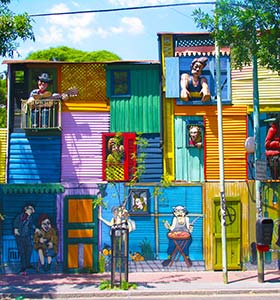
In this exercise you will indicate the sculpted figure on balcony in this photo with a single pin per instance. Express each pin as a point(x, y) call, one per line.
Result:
point(194, 87)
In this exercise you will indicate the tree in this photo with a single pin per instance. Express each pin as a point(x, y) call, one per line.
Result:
point(64, 53)
point(249, 27)
point(12, 28)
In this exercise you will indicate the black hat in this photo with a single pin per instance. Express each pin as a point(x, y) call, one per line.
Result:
point(44, 77)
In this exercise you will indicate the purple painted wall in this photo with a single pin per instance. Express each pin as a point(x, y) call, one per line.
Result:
point(82, 146)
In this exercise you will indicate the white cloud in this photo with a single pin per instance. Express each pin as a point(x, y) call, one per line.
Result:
point(74, 28)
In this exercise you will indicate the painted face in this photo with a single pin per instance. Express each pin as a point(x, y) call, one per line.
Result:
point(194, 133)
point(46, 225)
point(138, 203)
point(197, 68)
point(42, 86)
point(29, 210)
point(179, 211)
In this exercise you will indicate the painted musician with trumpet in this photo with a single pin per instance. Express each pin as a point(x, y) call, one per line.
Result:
point(41, 102)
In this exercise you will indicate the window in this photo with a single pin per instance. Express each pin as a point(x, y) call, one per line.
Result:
point(119, 163)
point(120, 83)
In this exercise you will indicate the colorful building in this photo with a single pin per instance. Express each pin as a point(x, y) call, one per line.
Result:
point(125, 139)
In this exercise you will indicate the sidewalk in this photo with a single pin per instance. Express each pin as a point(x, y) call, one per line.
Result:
point(73, 286)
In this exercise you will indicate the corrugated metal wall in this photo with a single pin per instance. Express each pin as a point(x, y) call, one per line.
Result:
point(153, 159)
point(3, 149)
point(34, 159)
point(269, 88)
point(82, 146)
point(234, 133)
point(12, 206)
point(141, 111)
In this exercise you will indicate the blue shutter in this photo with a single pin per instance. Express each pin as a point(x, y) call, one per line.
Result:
point(172, 77)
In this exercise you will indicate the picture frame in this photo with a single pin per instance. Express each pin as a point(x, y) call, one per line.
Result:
point(139, 201)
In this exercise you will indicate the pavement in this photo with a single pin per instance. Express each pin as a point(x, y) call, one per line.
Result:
point(72, 286)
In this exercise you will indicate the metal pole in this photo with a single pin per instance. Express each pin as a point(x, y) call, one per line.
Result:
point(221, 162)
point(260, 258)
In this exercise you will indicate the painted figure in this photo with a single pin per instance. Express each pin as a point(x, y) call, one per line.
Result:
point(114, 166)
point(46, 241)
point(23, 230)
point(195, 136)
point(120, 217)
point(194, 87)
point(139, 201)
point(180, 230)
point(35, 96)
point(272, 146)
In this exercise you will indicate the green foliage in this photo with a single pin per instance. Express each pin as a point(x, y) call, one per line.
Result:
point(64, 53)
point(106, 285)
point(147, 250)
point(3, 118)
point(249, 27)
point(3, 92)
point(12, 28)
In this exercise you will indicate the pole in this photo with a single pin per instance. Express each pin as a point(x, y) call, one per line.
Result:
point(221, 162)
point(260, 258)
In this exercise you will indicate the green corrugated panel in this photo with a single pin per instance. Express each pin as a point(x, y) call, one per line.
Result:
point(50, 188)
point(141, 111)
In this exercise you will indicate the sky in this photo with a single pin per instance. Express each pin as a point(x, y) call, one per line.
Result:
point(131, 34)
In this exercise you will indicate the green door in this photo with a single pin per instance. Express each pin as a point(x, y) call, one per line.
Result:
point(80, 235)
point(233, 234)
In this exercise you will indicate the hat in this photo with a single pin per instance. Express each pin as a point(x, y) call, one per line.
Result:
point(44, 77)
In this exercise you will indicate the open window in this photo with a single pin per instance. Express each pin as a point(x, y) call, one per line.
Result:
point(119, 156)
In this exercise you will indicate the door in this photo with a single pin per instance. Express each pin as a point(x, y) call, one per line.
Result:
point(80, 235)
point(233, 234)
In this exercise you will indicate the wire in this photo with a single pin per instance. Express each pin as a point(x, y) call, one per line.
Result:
point(121, 9)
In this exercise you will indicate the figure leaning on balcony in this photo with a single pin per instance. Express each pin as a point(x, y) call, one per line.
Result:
point(194, 87)
point(272, 146)
point(39, 111)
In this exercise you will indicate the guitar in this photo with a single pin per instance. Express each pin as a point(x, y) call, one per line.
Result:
point(71, 92)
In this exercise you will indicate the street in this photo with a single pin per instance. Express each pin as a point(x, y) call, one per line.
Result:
point(258, 296)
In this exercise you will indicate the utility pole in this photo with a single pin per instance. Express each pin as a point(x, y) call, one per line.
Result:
point(260, 258)
point(221, 156)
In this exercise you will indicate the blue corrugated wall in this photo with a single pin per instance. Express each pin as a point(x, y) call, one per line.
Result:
point(34, 159)
point(153, 158)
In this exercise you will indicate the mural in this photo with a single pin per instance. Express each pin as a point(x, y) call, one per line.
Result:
point(272, 146)
point(195, 87)
point(195, 136)
point(23, 230)
point(46, 242)
point(179, 236)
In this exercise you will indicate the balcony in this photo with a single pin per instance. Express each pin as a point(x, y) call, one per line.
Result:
point(41, 114)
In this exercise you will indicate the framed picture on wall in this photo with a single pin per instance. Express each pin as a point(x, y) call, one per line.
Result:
point(139, 201)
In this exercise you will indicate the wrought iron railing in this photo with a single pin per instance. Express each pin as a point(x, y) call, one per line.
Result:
point(41, 114)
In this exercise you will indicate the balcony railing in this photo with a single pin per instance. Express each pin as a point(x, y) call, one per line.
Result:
point(41, 114)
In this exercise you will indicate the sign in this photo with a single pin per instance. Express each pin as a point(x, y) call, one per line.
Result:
point(261, 168)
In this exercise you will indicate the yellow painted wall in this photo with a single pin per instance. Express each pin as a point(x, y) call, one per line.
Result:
point(232, 189)
point(269, 88)
point(3, 149)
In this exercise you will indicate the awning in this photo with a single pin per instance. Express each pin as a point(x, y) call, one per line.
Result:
point(36, 188)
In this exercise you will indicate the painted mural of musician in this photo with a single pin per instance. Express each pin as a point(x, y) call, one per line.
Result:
point(39, 104)
point(194, 87)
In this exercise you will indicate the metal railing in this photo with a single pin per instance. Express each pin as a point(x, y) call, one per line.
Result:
point(41, 114)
